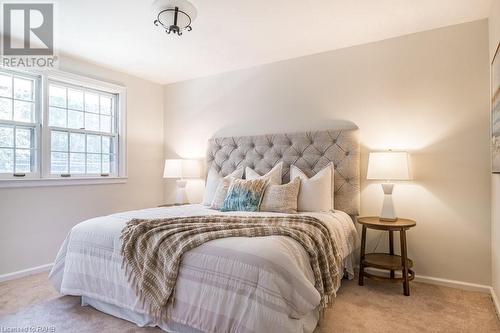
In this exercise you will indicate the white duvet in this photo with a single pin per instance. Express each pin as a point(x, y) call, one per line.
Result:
point(237, 284)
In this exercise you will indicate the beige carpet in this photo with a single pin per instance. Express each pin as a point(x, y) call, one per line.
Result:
point(376, 307)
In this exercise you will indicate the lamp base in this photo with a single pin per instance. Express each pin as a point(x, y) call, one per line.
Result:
point(388, 213)
point(388, 219)
point(180, 196)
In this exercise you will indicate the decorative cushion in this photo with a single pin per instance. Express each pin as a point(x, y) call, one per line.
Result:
point(244, 195)
point(281, 198)
point(221, 193)
point(213, 180)
point(316, 193)
point(274, 175)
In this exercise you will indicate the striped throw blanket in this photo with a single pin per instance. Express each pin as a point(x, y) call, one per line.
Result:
point(152, 250)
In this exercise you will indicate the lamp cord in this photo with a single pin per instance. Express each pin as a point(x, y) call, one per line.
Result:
point(378, 241)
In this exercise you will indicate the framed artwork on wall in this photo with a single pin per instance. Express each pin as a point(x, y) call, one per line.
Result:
point(495, 112)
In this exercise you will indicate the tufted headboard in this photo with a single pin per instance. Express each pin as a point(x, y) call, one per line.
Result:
point(310, 151)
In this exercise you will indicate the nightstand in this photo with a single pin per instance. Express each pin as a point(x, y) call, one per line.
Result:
point(387, 261)
point(169, 205)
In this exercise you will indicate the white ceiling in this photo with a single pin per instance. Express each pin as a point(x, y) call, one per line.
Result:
point(235, 34)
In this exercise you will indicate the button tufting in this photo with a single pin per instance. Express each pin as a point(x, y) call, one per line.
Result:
point(311, 151)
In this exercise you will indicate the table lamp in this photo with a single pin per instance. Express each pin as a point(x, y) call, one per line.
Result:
point(388, 166)
point(181, 169)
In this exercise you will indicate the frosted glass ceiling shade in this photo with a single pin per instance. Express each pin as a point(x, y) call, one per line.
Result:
point(389, 166)
point(182, 20)
point(178, 168)
point(174, 16)
point(184, 5)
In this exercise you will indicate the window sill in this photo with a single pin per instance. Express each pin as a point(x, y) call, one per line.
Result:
point(38, 182)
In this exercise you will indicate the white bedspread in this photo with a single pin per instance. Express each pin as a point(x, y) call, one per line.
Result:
point(238, 284)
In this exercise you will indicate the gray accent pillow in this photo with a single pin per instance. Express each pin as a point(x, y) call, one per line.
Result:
point(281, 198)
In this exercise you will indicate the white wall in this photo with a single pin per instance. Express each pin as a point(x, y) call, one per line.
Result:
point(34, 221)
point(426, 92)
point(494, 25)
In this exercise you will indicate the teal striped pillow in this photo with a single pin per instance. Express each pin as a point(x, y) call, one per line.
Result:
point(244, 195)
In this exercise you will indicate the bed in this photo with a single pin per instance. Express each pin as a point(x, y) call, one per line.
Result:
point(235, 284)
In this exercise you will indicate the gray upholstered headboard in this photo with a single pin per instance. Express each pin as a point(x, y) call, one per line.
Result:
point(310, 151)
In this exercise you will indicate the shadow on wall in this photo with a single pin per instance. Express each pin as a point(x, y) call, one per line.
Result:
point(440, 162)
point(242, 129)
point(189, 143)
point(186, 146)
point(432, 178)
point(442, 196)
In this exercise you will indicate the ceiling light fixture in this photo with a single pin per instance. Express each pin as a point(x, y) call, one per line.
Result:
point(174, 16)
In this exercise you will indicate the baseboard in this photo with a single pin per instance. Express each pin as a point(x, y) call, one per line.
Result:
point(442, 282)
point(25, 272)
point(453, 284)
point(495, 301)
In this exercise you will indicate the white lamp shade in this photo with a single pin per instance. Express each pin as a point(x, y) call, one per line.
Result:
point(191, 169)
point(173, 169)
point(177, 168)
point(388, 166)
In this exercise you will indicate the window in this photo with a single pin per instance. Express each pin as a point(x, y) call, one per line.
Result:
point(82, 130)
point(18, 124)
point(60, 126)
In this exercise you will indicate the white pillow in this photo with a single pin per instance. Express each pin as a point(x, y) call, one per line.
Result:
point(213, 180)
point(316, 193)
point(274, 175)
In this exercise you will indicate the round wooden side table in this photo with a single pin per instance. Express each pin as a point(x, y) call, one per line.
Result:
point(387, 261)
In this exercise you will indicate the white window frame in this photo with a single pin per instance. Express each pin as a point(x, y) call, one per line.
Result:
point(43, 177)
point(36, 127)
